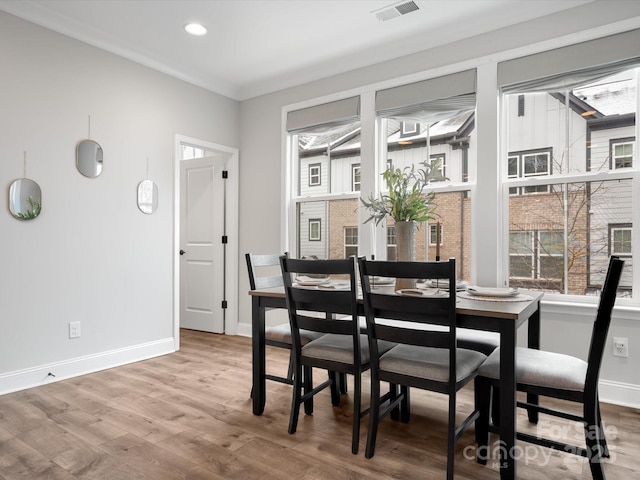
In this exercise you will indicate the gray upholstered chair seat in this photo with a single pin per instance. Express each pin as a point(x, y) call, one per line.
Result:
point(542, 369)
point(429, 362)
point(339, 348)
point(282, 333)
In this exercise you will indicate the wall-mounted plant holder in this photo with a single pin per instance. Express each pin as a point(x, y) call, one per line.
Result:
point(89, 156)
point(147, 195)
point(25, 197)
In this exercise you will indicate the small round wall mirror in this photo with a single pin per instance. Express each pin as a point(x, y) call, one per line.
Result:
point(25, 199)
point(89, 158)
point(147, 196)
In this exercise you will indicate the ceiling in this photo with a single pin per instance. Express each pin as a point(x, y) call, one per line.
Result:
point(255, 47)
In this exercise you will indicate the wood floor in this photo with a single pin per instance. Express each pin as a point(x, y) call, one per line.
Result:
point(188, 416)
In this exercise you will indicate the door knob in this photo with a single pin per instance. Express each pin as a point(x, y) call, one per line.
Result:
point(182, 252)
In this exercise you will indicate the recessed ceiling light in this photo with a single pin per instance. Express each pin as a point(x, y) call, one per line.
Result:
point(195, 29)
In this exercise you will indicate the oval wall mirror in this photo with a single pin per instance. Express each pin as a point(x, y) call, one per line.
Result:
point(25, 199)
point(89, 158)
point(147, 196)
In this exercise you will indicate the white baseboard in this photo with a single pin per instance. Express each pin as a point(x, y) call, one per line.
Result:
point(243, 329)
point(618, 393)
point(45, 374)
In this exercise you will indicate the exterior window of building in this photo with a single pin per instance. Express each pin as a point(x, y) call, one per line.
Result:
point(621, 240)
point(350, 241)
point(315, 225)
point(355, 177)
point(622, 153)
point(315, 178)
point(409, 129)
point(438, 161)
point(570, 174)
point(433, 234)
point(391, 244)
point(538, 256)
point(529, 164)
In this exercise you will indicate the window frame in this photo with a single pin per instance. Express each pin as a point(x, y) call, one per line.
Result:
point(318, 222)
point(617, 142)
point(313, 166)
point(520, 157)
point(620, 227)
point(346, 245)
point(356, 167)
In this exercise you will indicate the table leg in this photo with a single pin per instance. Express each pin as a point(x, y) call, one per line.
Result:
point(534, 342)
point(508, 397)
point(258, 356)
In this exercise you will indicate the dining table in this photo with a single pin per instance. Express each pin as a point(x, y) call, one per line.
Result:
point(488, 313)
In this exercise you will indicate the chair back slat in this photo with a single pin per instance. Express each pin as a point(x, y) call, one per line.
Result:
point(602, 322)
point(425, 338)
point(322, 325)
point(262, 262)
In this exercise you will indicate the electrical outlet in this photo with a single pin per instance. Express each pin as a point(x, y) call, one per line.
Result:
point(74, 329)
point(620, 347)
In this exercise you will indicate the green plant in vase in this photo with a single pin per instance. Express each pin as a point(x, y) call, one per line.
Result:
point(407, 203)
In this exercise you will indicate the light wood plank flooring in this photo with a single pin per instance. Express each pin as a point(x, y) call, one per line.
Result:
point(188, 416)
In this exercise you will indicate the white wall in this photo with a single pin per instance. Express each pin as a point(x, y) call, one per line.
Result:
point(91, 256)
point(262, 227)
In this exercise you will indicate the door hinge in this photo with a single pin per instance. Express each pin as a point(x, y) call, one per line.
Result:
point(225, 239)
point(225, 174)
point(224, 304)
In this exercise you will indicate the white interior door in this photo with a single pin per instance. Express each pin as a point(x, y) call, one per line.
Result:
point(202, 205)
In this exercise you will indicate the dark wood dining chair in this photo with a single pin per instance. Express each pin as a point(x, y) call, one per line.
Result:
point(264, 272)
point(556, 375)
point(332, 311)
point(423, 358)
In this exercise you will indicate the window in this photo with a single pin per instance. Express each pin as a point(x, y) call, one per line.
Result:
point(433, 234)
point(536, 256)
point(391, 244)
point(315, 229)
point(622, 153)
point(443, 111)
point(569, 172)
point(355, 177)
point(529, 164)
point(350, 241)
point(620, 240)
point(323, 143)
point(438, 161)
point(409, 129)
point(314, 174)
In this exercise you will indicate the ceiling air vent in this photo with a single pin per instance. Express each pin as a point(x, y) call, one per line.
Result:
point(393, 11)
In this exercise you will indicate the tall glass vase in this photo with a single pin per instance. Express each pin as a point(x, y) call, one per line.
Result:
point(405, 242)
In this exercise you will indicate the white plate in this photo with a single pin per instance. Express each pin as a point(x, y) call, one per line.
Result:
point(334, 286)
point(311, 282)
point(492, 292)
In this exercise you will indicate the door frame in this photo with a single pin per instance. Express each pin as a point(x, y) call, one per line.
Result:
point(231, 219)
